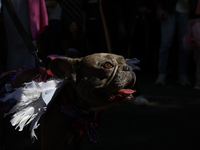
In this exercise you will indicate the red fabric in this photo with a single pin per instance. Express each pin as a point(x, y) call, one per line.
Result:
point(79, 126)
point(9, 77)
point(50, 73)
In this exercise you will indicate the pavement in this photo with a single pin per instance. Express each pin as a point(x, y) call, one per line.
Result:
point(169, 121)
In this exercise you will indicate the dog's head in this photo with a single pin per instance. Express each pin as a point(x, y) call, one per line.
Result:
point(99, 80)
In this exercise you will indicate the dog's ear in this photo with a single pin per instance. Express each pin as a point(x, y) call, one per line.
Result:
point(63, 66)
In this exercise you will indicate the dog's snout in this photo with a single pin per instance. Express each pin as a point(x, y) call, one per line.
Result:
point(126, 68)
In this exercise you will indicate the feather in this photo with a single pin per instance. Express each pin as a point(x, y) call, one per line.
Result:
point(32, 101)
point(34, 124)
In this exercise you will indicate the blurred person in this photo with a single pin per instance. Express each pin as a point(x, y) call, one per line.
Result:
point(33, 17)
point(197, 81)
point(174, 17)
point(3, 47)
point(50, 40)
point(93, 27)
point(191, 40)
point(120, 17)
point(146, 35)
point(75, 40)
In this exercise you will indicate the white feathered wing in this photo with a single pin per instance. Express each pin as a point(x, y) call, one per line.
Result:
point(32, 101)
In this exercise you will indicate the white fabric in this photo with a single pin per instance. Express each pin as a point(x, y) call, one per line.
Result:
point(32, 101)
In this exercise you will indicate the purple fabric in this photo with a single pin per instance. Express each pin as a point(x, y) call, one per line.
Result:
point(73, 112)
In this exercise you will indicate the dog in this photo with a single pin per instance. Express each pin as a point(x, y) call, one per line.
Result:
point(90, 84)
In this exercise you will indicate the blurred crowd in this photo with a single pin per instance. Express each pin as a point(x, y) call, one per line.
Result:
point(160, 33)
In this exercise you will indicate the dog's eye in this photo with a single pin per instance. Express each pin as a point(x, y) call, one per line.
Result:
point(108, 65)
